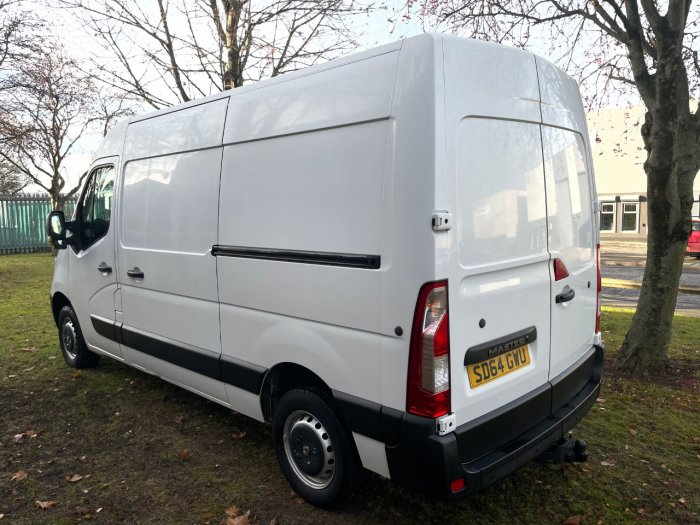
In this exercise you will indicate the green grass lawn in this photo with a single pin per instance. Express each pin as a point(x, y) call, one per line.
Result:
point(143, 451)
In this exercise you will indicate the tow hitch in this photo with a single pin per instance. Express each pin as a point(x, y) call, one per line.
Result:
point(566, 450)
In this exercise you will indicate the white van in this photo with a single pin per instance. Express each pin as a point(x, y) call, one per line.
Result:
point(392, 257)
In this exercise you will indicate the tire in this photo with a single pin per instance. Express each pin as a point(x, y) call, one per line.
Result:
point(75, 351)
point(312, 447)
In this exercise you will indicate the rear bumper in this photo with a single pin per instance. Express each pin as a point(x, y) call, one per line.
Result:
point(494, 445)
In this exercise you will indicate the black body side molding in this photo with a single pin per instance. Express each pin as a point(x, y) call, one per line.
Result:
point(346, 260)
point(235, 372)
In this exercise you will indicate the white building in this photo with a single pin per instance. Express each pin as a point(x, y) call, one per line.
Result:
point(618, 159)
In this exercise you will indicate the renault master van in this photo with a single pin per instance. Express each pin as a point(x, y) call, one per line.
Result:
point(392, 257)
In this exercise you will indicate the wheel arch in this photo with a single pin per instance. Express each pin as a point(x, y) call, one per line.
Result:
point(58, 301)
point(287, 376)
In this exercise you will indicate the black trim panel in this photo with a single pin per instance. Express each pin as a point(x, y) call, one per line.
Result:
point(484, 351)
point(369, 418)
point(346, 260)
point(104, 327)
point(235, 372)
point(360, 415)
point(574, 378)
point(242, 374)
point(176, 354)
point(492, 430)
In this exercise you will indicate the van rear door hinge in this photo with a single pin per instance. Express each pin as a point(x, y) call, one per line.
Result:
point(442, 221)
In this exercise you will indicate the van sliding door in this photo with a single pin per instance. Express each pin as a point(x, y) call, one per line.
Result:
point(169, 207)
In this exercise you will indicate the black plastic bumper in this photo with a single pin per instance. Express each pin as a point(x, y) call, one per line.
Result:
point(494, 445)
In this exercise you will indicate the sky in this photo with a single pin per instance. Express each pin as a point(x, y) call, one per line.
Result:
point(374, 29)
point(377, 28)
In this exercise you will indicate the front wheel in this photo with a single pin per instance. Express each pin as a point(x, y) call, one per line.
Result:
point(75, 351)
point(312, 447)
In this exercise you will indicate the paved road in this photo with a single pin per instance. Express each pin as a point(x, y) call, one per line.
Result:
point(627, 260)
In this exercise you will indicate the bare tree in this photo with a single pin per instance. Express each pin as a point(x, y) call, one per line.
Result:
point(169, 51)
point(631, 43)
point(47, 105)
point(11, 180)
point(17, 36)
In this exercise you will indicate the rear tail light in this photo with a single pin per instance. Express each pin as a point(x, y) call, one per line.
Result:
point(428, 392)
point(600, 287)
point(560, 271)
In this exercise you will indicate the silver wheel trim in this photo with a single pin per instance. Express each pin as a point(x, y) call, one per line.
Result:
point(325, 477)
point(69, 339)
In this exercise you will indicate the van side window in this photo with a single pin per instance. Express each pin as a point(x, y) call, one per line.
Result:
point(96, 206)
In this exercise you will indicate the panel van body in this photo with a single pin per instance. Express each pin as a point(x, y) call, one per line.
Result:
point(405, 236)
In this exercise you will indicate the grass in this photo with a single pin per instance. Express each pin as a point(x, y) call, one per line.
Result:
point(149, 452)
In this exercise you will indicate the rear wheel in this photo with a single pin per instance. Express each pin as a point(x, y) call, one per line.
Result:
point(312, 447)
point(75, 351)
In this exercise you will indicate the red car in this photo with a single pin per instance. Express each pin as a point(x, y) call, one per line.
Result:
point(694, 241)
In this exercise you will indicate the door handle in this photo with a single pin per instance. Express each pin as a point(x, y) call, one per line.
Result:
point(136, 273)
point(104, 268)
point(566, 295)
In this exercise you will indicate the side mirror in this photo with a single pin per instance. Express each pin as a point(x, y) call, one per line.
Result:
point(56, 229)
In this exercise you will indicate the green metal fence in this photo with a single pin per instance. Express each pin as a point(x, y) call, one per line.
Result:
point(22, 222)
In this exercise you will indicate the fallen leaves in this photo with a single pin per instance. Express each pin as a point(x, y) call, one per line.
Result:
point(233, 518)
point(74, 478)
point(608, 462)
point(572, 520)
point(20, 475)
point(45, 505)
point(183, 455)
point(243, 519)
point(179, 419)
point(19, 438)
point(238, 435)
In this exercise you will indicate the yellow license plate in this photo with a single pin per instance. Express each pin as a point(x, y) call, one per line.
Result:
point(486, 371)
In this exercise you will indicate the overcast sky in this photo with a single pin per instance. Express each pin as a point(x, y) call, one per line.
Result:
point(375, 29)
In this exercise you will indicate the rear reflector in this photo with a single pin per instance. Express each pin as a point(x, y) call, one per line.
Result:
point(457, 485)
point(428, 389)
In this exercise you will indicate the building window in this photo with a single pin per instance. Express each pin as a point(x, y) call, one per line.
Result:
point(630, 217)
point(607, 216)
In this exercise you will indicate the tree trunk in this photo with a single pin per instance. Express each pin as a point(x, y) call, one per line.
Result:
point(57, 202)
point(233, 52)
point(670, 168)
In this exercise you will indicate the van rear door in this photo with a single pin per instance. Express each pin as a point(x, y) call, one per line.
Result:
point(499, 286)
point(495, 256)
point(572, 235)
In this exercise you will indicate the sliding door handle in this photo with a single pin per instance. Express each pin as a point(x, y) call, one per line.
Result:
point(104, 268)
point(136, 273)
